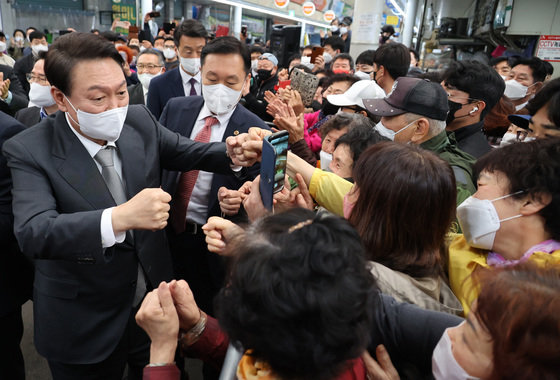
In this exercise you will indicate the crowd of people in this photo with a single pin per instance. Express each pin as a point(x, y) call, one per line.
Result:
point(416, 234)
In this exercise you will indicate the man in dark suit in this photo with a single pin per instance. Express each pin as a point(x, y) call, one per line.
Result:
point(23, 66)
point(12, 95)
point(39, 95)
point(88, 208)
point(226, 64)
point(16, 273)
point(150, 64)
point(190, 37)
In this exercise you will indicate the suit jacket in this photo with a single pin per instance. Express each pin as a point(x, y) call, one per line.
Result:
point(29, 116)
point(83, 293)
point(16, 273)
point(162, 88)
point(136, 94)
point(19, 95)
point(180, 115)
point(23, 66)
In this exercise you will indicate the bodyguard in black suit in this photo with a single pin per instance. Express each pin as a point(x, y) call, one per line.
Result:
point(16, 273)
point(94, 255)
point(190, 37)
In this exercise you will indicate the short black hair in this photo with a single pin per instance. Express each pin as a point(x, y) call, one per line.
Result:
point(548, 95)
point(361, 134)
point(18, 30)
point(94, 31)
point(294, 56)
point(337, 43)
point(366, 57)
point(495, 60)
point(159, 38)
point(227, 45)
point(256, 49)
point(300, 295)
point(69, 50)
point(2, 35)
point(533, 169)
point(535, 64)
point(344, 56)
point(477, 79)
point(109, 35)
point(548, 67)
point(156, 52)
point(394, 57)
point(168, 39)
point(36, 35)
point(190, 28)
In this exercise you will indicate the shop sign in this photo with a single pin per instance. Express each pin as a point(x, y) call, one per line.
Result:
point(549, 48)
point(329, 16)
point(281, 3)
point(308, 8)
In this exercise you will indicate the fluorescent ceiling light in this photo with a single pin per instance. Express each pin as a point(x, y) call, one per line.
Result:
point(271, 12)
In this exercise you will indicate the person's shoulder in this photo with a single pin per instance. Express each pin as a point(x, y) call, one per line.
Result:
point(185, 101)
point(167, 76)
point(36, 137)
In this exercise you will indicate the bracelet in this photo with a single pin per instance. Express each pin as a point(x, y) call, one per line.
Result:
point(190, 337)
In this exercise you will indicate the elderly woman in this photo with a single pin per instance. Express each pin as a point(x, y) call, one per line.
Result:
point(402, 203)
point(514, 215)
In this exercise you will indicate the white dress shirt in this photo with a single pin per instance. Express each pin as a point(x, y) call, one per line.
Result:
point(185, 78)
point(108, 237)
point(197, 208)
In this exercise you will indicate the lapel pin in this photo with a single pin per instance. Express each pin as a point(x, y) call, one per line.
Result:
point(236, 132)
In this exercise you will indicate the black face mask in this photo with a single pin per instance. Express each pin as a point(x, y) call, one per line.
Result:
point(316, 105)
point(453, 107)
point(385, 38)
point(328, 108)
point(264, 74)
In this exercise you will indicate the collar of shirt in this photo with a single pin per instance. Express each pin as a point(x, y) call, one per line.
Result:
point(92, 147)
point(42, 113)
point(186, 77)
point(222, 119)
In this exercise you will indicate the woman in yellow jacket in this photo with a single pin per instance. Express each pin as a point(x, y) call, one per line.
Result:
point(513, 217)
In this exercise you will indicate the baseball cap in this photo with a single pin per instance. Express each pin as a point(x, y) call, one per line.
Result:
point(522, 121)
point(413, 95)
point(363, 89)
point(270, 57)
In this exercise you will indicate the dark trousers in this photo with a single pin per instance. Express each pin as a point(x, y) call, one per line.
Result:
point(11, 358)
point(203, 270)
point(133, 349)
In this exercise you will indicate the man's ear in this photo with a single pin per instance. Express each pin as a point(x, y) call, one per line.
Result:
point(535, 203)
point(58, 97)
point(536, 87)
point(422, 129)
point(478, 107)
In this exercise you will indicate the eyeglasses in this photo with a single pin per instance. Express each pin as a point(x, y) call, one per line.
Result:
point(41, 79)
point(147, 67)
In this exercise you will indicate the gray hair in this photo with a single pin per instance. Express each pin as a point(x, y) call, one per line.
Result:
point(157, 53)
point(436, 126)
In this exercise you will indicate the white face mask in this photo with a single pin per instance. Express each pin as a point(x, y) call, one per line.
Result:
point(169, 53)
point(326, 159)
point(334, 28)
point(105, 125)
point(362, 75)
point(220, 99)
point(18, 38)
point(508, 138)
point(191, 65)
point(479, 221)
point(39, 48)
point(145, 79)
point(142, 48)
point(444, 365)
point(389, 133)
point(504, 77)
point(2, 46)
point(327, 57)
point(254, 64)
point(343, 30)
point(41, 95)
point(515, 90)
point(307, 62)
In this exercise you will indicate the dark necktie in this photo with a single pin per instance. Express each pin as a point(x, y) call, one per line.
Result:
point(192, 81)
point(116, 188)
point(187, 181)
